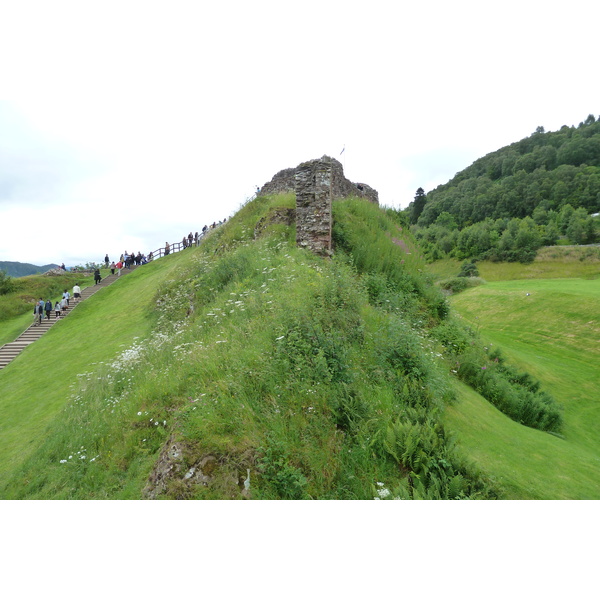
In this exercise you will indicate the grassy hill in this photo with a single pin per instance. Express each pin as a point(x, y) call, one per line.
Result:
point(553, 333)
point(247, 367)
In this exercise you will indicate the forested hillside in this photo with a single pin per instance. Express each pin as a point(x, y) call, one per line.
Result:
point(512, 201)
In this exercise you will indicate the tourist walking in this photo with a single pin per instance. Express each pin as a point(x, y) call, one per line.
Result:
point(66, 297)
point(97, 277)
point(38, 312)
point(106, 261)
point(112, 267)
point(76, 292)
point(48, 309)
point(167, 248)
point(57, 309)
point(119, 267)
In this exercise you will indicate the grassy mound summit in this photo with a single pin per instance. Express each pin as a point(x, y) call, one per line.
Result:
point(250, 368)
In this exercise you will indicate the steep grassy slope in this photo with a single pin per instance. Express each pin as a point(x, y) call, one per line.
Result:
point(553, 333)
point(254, 361)
point(250, 368)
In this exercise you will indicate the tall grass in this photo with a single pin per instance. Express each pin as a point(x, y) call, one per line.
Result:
point(261, 357)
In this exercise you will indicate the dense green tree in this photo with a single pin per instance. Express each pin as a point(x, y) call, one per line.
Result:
point(418, 205)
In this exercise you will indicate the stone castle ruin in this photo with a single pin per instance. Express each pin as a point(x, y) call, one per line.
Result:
point(316, 184)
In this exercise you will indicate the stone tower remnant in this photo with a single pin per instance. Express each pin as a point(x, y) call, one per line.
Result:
point(313, 205)
point(316, 184)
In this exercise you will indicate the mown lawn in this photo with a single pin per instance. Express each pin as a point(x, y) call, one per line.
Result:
point(551, 329)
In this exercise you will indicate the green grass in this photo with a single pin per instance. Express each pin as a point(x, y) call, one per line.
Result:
point(33, 287)
point(251, 354)
point(321, 377)
point(551, 263)
point(553, 334)
point(36, 385)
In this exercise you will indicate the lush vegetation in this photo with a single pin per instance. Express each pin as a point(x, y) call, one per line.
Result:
point(254, 365)
point(554, 262)
point(511, 202)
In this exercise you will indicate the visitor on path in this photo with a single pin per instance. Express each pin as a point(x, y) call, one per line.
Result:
point(76, 292)
point(204, 229)
point(167, 248)
point(57, 309)
point(38, 312)
point(48, 309)
point(138, 258)
point(184, 242)
point(150, 256)
point(119, 267)
point(63, 305)
point(190, 238)
point(97, 277)
point(112, 267)
point(196, 238)
point(66, 297)
point(106, 261)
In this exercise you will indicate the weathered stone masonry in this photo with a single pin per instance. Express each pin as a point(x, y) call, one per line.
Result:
point(285, 181)
point(316, 184)
point(313, 206)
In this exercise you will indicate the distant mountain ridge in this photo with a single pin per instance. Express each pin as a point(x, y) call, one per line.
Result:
point(18, 269)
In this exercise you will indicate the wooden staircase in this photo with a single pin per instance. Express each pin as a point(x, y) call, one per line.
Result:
point(10, 351)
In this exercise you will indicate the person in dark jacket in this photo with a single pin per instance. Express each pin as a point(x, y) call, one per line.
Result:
point(38, 312)
point(48, 309)
point(97, 277)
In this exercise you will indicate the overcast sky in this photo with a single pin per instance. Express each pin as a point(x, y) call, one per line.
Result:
point(130, 124)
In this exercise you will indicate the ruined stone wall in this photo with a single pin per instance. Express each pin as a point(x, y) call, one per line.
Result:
point(316, 184)
point(282, 182)
point(285, 181)
point(313, 187)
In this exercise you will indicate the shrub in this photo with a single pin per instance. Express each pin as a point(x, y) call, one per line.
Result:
point(6, 283)
point(459, 284)
point(468, 269)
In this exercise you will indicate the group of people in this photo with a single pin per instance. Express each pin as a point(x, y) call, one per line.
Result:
point(193, 239)
point(45, 307)
point(125, 261)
